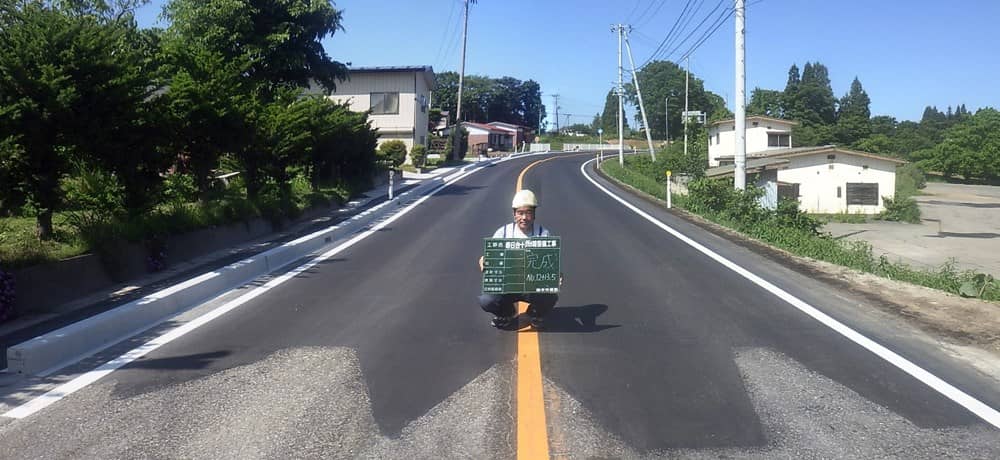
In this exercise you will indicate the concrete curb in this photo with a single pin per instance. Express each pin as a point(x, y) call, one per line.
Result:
point(50, 352)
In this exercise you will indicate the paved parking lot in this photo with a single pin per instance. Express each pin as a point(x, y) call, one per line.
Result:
point(960, 222)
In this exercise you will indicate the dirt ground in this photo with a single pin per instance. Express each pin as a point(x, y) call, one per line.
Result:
point(958, 222)
point(969, 329)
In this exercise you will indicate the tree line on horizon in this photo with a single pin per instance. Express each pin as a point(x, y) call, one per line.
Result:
point(956, 142)
point(486, 99)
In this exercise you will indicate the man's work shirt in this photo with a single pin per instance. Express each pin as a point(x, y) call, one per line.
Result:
point(511, 231)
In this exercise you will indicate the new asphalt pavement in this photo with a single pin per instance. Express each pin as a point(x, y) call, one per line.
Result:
point(655, 349)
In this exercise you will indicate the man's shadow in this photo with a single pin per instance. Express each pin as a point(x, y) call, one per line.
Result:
point(572, 319)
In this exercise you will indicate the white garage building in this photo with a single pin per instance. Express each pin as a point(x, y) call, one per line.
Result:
point(825, 179)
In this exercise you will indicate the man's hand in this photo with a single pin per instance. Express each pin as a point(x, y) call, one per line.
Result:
point(480, 263)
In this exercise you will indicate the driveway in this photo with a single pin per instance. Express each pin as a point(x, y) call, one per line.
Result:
point(960, 222)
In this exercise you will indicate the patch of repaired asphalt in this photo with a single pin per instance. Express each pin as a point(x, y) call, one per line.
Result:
point(805, 415)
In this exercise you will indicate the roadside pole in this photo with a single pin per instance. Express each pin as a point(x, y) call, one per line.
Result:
point(668, 190)
point(391, 175)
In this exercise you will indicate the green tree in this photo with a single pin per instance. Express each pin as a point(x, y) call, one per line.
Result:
point(279, 42)
point(71, 89)
point(609, 121)
point(814, 99)
point(486, 99)
point(662, 83)
point(202, 107)
point(884, 124)
point(269, 47)
point(766, 102)
point(392, 153)
point(853, 115)
point(970, 148)
point(789, 97)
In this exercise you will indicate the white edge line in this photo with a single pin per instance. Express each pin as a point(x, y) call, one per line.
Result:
point(987, 413)
point(54, 395)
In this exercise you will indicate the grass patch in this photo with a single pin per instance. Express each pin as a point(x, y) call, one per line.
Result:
point(82, 232)
point(842, 218)
point(796, 233)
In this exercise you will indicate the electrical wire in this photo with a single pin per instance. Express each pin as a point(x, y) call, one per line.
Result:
point(670, 33)
point(650, 17)
point(446, 32)
point(709, 15)
point(705, 37)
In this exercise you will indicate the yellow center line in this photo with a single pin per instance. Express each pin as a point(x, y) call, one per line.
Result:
point(532, 431)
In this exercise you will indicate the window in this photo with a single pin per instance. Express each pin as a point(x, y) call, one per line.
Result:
point(717, 136)
point(778, 140)
point(838, 191)
point(385, 103)
point(862, 194)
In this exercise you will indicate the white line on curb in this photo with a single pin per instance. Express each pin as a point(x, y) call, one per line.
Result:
point(975, 406)
point(92, 376)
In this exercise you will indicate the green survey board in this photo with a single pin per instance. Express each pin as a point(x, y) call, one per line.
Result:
point(521, 265)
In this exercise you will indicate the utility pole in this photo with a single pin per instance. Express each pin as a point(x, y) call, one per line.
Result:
point(687, 78)
point(457, 131)
point(555, 104)
point(638, 92)
point(740, 173)
point(620, 89)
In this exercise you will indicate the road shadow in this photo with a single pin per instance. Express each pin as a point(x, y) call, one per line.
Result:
point(965, 235)
point(572, 319)
point(846, 235)
point(963, 204)
point(456, 189)
point(195, 361)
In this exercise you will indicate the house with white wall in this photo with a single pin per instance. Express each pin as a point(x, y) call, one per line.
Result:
point(398, 99)
point(763, 133)
point(825, 179)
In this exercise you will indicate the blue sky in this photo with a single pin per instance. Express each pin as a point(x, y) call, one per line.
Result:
point(907, 54)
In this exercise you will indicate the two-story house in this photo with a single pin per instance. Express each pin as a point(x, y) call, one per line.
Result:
point(824, 179)
point(398, 98)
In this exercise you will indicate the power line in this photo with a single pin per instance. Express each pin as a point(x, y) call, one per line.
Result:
point(634, 9)
point(672, 44)
point(726, 14)
point(670, 33)
point(657, 11)
point(446, 32)
point(646, 11)
point(709, 15)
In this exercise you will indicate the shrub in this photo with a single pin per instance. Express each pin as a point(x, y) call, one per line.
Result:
point(902, 209)
point(909, 179)
point(392, 153)
point(418, 155)
point(788, 215)
point(179, 188)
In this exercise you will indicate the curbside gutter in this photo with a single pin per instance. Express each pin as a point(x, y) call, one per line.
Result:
point(47, 353)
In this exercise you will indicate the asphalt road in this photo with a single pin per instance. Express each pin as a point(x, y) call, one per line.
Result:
point(654, 350)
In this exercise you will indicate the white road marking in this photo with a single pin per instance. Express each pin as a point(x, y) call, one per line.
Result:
point(987, 413)
point(92, 376)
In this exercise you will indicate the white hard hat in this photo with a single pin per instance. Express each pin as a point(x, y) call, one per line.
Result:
point(524, 198)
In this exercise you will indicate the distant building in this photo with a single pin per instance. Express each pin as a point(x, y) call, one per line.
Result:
point(484, 138)
point(398, 98)
point(763, 133)
point(518, 133)
point(825, 180)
